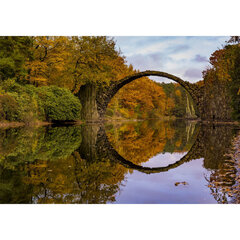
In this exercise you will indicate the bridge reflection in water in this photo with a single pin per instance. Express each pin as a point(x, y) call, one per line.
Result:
point(104, 164)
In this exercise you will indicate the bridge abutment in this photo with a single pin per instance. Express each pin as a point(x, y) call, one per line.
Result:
point(87, 96)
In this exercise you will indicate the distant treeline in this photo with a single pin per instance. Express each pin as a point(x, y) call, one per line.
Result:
point(145, 98)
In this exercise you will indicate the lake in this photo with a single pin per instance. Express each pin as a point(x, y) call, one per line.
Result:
point(151, 161)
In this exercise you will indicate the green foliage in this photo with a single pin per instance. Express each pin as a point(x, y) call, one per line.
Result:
point(8, 108)
point(59, 104)
point(29, 105)
point(14, 52)
point(109, 112)
point(168, 88)
point(183, 103)
point(26, 103)
point(95, 59)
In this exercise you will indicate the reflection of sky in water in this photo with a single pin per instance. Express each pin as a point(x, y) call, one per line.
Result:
point(160, 187)
point(163, 159)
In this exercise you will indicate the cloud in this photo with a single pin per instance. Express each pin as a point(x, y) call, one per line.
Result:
point(199, 58)
point(155, 56)
point(153, 61)
point(193, 73)
point(178, 48)
point(185, 57)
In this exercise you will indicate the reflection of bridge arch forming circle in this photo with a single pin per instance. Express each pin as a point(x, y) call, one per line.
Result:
point(104, 95)
point(104, 148)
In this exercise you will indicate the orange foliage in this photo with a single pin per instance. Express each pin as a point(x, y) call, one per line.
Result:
point(140, 99)
point(138, 142)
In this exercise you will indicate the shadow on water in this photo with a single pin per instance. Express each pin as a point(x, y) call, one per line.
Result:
point(92, 163)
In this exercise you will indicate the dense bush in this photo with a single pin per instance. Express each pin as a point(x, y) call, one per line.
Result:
point(29, 104)
point(26, 103)
point(8, 108)
point(59, 103)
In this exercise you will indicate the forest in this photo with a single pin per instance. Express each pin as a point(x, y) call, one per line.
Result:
point(40, 78)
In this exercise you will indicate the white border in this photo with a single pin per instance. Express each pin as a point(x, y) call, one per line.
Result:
point(125, 17)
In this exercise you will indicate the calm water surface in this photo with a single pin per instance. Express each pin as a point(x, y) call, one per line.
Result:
point(123, 162)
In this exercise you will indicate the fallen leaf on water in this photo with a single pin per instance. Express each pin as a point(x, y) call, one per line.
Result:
point(183, 183)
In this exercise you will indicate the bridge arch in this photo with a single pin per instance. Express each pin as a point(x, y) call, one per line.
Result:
point(105, 94)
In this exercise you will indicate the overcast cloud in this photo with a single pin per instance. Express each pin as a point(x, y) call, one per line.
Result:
point(185, 57)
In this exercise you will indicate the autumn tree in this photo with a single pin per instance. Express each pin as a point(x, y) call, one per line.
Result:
point(142, 98)
point(96, 60)
point(225, 72)
point(74, 61)
point(51, 63)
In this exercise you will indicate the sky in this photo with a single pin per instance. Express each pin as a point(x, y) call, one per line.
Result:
point(185, 57)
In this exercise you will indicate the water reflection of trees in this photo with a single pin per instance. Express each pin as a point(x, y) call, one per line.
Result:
point(24, 147)
point(223, 180)
point(73, 180)
point(140, 141)
point(45, 165)
point(61, 165)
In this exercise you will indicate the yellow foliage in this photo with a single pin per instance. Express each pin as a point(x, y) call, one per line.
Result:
point(51, 62)
point(178, 93)
point(140, 98)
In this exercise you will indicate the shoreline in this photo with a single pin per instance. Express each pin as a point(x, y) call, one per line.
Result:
point(6, 124)
point(220, 122)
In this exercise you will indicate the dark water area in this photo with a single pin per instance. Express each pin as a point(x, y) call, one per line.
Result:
point(123, 162)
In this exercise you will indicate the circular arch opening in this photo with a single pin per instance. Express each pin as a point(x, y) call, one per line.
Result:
point(116, 86)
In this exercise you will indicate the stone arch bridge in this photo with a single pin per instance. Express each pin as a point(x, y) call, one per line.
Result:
point(95, 98)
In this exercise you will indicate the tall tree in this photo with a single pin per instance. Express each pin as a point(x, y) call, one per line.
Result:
point(51, 63)
point(96, 60)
